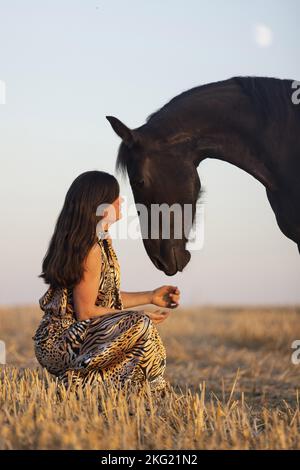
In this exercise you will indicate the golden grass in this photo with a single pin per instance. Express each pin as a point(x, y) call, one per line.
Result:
point(233, 387)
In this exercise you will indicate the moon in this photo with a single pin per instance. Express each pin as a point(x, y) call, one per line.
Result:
point(263, 35)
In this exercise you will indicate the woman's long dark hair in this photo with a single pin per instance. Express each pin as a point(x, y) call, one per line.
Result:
point(75, 230)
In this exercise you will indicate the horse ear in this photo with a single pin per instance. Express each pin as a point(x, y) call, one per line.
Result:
point(126, 134)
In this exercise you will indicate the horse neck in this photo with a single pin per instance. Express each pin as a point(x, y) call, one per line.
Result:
point(239, 149)
point(212, 129)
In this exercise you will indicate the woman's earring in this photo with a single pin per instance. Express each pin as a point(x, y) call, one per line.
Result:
point(102, 234)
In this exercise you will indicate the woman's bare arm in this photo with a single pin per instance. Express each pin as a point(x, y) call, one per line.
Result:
point(86, 291)
point(134, 299)
point(163, 296)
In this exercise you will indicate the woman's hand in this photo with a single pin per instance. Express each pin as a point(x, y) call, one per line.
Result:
point(166, 296)
point(157, 316)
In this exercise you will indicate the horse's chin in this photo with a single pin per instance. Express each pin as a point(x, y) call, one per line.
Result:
point(179, 260)
point(168, 259)
point(182, 258)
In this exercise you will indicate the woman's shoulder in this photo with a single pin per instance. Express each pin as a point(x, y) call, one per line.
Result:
point(96, 249)
point(91, 261)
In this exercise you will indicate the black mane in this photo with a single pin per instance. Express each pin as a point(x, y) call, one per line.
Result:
point(268, 94)
point(270, 98)
point(185, 94)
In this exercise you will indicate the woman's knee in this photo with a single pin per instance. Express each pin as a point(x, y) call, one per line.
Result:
point(144, 324)
point(139, 317)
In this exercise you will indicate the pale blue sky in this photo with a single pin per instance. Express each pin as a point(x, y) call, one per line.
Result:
point(67, 64)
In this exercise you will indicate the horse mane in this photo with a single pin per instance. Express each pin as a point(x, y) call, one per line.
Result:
point(185, 94)
point(122, 161)
point(269, 97)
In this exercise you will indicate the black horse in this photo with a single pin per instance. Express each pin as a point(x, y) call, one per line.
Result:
point(250, 122)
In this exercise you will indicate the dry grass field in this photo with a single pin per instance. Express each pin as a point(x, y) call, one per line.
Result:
point(233, 387)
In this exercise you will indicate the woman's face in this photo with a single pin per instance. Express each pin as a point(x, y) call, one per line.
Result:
point(117, 207)
point(113, 212)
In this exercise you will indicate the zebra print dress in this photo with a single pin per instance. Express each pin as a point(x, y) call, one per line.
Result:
point(113, 348)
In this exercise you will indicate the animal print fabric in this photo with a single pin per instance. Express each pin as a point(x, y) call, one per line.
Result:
point(117, 348)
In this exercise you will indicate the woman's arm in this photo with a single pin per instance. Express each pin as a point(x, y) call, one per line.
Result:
point(134, 299)
point(163, 296)
point(86, 291)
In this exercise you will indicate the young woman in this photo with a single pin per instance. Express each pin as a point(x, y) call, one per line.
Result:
point(87, 333)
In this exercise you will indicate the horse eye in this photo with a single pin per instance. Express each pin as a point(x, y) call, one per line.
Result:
point(137, 184)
